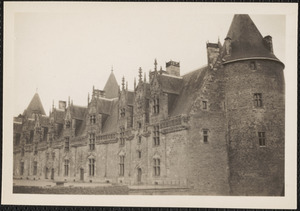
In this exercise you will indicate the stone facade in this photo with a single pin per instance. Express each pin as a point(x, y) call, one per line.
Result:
point(218, 130)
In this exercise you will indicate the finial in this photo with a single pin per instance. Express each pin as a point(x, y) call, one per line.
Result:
point(112, 68)
point(161, 71)
point(145, 77)
point(134, 83)
point(155, 65)
point(52, 104)
point(72, 102)
point(126, 85)
point(88, 98)
point(149, 75)
point(123, 83)
point(69, 101)
point(140, 74)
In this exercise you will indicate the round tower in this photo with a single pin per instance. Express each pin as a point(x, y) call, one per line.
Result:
point(255, 110)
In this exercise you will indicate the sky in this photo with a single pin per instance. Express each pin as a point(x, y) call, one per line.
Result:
point(61, 53)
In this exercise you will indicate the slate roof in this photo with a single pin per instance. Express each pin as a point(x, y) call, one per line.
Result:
point(59, 116)
point(78, 112)
point(130, 97)
point(110, 124)
point(246, 40)
point(111, 87)
point(35, 105)
point(170, 84)
point(104, 105)
point(191, 83)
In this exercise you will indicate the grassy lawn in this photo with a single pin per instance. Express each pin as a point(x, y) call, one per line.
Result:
point(113, 190)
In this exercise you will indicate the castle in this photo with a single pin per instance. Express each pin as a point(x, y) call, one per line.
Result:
point(218, 130)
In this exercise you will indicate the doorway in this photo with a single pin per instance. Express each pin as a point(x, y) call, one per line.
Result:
point(139, 175)
point(81, 174)
point(52, 173)
point(46, 173)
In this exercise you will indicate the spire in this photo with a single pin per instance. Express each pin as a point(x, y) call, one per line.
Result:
point(88, 98)
point(145, 80)
point(69, 98)
point(35, 106)
point(123, 83)
point(111, 87)
point(140, 74)
point(245, 41)
point(149, 75)
point(112, 68)
point(126, 85)
point(52, 105)
point(160, 71)
point(155, 65)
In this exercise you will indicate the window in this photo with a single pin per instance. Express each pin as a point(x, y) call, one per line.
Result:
point(205, 135)
point(66, 167)
point(122, 136)
point(22, 152)
point(45, 129)
point(92, 167)
point(22, 168)
point(204, 105)
point(47, 156)
point(35, 149)
point(139, 153)
point(156, 139)
point(92, 141)
point(252, 65)
point(140, 140)
point(31, 136)
point(140, 125)
point(262, 138)
point(156, 105)
point(67, 144)
point(122, 112)
point(35, 168)
point(68, 123)
point(122, 159)
point(53, 155)
point(156, 167)
point(258, 100)
point(18, 138)
point(93, 119)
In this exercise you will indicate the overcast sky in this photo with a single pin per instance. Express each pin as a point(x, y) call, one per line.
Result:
point(65, 53)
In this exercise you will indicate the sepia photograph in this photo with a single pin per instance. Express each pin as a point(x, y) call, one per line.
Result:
point(181, 103)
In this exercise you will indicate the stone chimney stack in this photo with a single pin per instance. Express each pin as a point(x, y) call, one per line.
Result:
point(268, 43)
point(173, 68)
point(213, 52)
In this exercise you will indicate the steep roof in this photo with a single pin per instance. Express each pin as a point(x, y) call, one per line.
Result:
point(170, 84)
point(59, 116)
point(192, 82)
point(246, 40)
point(35, 106)
point(130, 97)
point(111, 87)
point(78, 112)
point(111, 122)
point(104, 106)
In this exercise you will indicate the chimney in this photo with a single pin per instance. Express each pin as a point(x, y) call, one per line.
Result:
point(268, 43)
point(213, 52)
point(173, 68)
point(62, 105)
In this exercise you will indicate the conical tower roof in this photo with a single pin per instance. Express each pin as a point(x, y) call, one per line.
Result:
point(111, 87)
point(35, 106)
point(246, 40)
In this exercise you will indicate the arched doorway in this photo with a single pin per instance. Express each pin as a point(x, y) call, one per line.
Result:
point(139, 175)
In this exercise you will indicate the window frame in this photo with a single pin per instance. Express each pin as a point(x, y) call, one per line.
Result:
point(92, 166)
point(261, 138)
point(122, 166)
point(156, 135)
point(258, 100)
point(66, 167)
point(67, 144)
point(205, 135)
point(92, 141)
point(156, 167)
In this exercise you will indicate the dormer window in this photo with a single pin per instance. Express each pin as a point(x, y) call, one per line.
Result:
point(156, 105)
point(122, 112)
point(68, 123)
point(93, 119)
point(258, 100)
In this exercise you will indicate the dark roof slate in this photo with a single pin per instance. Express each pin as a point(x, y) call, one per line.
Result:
point(246, 40)
point(170, 84)
point(192, 82)
point(110, 124)
point(104, 105)
point(111, 87)
point(78, 112)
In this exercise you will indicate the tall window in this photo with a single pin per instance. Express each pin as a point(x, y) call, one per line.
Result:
point(93, 119)
point(204, 105)
point(66, 167)
point(22, 168)
point(122, 136)
point(122, 112)
point(258, 100)
point(68, 123)
point(156, 167)
point(92, 141)
point(53, 155)
point(262, 138)
point(67, 144)
point(35, 168)
point(122, 165)
point(205, 135)
point(92, 167)
point(140, 140)
point(22, 152)
point(45, 129)
point(139, 153)
point(156, 105)
point(47, 156)
point(18, 138)
point(156, 139)
point(31, 136)
point(35, 149)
